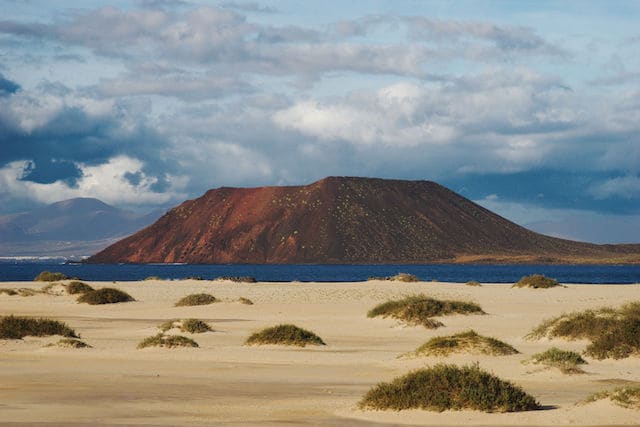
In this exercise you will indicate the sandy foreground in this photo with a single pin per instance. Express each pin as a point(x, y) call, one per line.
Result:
point(227, 383)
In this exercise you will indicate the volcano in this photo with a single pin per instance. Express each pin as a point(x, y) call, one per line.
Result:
point(346, 220)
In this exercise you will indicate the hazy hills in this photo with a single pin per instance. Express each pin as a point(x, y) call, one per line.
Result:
point(79, 226)
point(346, 220)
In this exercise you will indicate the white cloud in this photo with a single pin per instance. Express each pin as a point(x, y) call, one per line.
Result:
point(627, 187)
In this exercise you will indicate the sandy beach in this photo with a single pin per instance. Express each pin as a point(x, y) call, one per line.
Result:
point(224, 382)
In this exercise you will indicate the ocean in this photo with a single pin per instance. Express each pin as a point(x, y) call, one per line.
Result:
point(14, 270)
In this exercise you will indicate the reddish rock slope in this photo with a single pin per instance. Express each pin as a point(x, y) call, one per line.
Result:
point(343, 220)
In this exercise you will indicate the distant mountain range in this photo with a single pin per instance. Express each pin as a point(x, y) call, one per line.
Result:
point(73, 227)
point(347, 220)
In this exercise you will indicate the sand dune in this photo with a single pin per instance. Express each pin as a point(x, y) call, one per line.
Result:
point(224, 382)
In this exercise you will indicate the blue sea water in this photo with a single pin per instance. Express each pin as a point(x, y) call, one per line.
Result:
point(589, 274)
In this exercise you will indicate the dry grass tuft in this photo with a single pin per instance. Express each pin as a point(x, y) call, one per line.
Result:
point(285, 334)
point(465, 342)
point(566, 361)
point(196, 299)
point(419, 309)
point(239, 279)
point(400, 277)
point(71, 343)
point(473, 283)
point(168, 341)
point(246, 301)
point(15, 327)
point(536, 281)
point(105, 296)
point(77, 287)
point(627, 396)
point(193, 326)
point(449, 387)
point(613, 333)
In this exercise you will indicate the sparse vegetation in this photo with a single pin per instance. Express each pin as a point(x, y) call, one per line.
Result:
point(196, 299)
point(53, 289)
point(48, 276)
point(400, 277)
point(169, 341)
point(469, 342)
point(77, 287)
point(193, 278)
point(8, 291)
point(246, 301)
point(16, 327)
point(23, 292)
point(153, 278)
point(566, 361)
point(419, 310)
point(239, 279)
point(193, 326)
point(613, 333)
point(105, 296)
point(285, 334)
point(473, 283)
point(536, 281)
point(627, 396)
point(444, 387)
point(71, 343)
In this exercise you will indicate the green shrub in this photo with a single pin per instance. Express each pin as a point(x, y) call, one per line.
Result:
point(419, 310)
point(169, 341)
point(77, 287)
point(15, 327)
point(245, 301)
point(48, 276)
point(627, 396)
point(566, 361)
point(72, 343)
point(194, 326)
point(469, 342)
point(473, 283)
point(105, 296)
point(613, 333)
point(196, 299)
point(285, 335)
point(444, 387)
point(536, 281)
point(239, 279)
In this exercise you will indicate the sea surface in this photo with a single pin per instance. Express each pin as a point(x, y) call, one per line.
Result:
point(16, 270)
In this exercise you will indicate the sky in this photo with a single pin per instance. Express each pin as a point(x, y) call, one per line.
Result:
point(530, 108)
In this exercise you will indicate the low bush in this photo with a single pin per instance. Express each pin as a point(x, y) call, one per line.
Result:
point(77, 287)
point(245, 301)
point(285, 334)
point(536, 281)
point(169, 341)
point(23, 292)
point(48, 276)
point(566, 361)
point(105, 296)
point(469, 342)
point(473, 283)
point(613, 333)
point(419, 310)
point(239, 279)
point(449, 387)
point(8, 291)
point(194, 326)
point(16, 327)
point(400, 277)
point(627, 396)
point(196, 299)
point(72, 343)
point(153, 278)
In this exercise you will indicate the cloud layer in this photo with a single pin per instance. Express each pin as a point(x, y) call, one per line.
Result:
point(158, 101)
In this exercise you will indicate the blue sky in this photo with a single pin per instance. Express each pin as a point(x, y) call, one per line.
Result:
point(531, 108)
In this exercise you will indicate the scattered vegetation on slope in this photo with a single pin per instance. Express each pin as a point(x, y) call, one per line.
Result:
point(23, 292)
point(285, 334)
point(77, 287)
point(444, 387)
point(169, 341)
point(469, 342)
point(536, 281)
point(16, 327)
point(105, 296)
point(627, 396)
point(419, 310)
point(48, 276)
point(566, 361)
point(614, 333)
point(196, 299)
point(246, 301)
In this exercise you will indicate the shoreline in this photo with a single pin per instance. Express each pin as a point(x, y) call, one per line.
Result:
point(225, 382)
